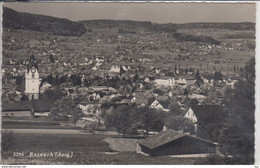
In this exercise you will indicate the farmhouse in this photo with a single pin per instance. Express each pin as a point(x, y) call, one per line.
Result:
point(171, 142)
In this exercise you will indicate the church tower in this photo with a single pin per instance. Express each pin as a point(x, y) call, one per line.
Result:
point(32, 80)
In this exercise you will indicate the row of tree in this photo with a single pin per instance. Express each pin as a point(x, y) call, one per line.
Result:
point(131, 120)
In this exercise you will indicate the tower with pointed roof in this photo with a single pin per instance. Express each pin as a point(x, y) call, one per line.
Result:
point(32, 80)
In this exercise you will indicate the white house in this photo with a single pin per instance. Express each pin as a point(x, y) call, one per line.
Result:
point(115, 68)
point(158, 106)
point(45, 86)
point(133, 100)
point(147, 80)
point(165, 81)
point(192, 117)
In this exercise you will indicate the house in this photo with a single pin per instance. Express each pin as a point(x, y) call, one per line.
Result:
point(98, 88)
point(165, 81)
point(100, 59)
point(170, 142)
point(191, 116)
point(198, 97)
point(133, 99)
point(17, 109)
point(44, 87)
point(115, 68)
point(147, 80)
point(122, 103)
point(190, 80)
point(157, 105)
point(202, 115)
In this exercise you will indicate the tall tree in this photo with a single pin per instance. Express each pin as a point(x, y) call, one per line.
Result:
point(120, 119)
point(66, 107)
point(179, 123)
point(149, 120)
point(237, 138)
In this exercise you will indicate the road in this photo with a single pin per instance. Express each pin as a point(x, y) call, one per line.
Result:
point(59, 131)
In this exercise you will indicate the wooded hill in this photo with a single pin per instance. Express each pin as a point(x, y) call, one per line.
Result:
point(18, 20)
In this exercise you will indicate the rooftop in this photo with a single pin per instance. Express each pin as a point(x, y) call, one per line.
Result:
point(165, 137)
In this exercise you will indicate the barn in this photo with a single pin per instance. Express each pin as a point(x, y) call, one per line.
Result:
point(172, 142)
point(17, 109)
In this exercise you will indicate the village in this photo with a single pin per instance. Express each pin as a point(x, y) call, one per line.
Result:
point(150, 92)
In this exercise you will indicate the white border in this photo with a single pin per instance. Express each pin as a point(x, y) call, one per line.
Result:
point(257, 82)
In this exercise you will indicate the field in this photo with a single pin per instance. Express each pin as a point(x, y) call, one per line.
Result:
point(86, 148)
point(159, 49)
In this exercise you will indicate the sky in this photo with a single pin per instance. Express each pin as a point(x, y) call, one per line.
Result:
point(155, 12)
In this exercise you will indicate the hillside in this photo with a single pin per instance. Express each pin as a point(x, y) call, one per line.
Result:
point(18, 20)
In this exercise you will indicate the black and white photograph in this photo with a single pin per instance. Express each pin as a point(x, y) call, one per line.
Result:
point(137, 83)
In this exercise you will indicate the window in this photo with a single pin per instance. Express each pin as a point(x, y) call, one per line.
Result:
point(33, 75)
point(12, 113)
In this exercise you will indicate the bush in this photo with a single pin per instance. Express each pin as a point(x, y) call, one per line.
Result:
point(8, 140)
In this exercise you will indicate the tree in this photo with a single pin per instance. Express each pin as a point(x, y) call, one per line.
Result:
point(52, 94)
point(51, 58)
point(179, 123)
point(120, 119)
point(218, 76)
point(149, 119)
point(66, 107)
point(237, 138)
point(129, 120)
point(174, 107)
point(50, 79)
point(75, 79)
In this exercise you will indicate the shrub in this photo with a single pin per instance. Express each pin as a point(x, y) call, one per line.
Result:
point(8, 140)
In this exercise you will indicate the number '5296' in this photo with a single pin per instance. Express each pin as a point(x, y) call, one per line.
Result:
point(18, 154)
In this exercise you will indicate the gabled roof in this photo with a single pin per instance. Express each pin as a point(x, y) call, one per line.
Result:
point(165, 137)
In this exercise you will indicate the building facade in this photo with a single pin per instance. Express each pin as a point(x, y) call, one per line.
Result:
point(166, 82)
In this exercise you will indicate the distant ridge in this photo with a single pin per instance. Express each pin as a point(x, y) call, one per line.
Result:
point(18, 20)
point(171, 26)
point(57, 26)
point(217, 25)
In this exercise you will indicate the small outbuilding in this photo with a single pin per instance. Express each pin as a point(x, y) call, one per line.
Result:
point(172, 142)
